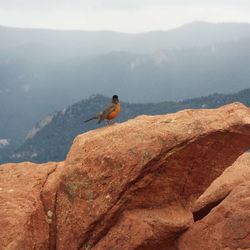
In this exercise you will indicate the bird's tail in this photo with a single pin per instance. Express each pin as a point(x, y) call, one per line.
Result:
point(95, 117)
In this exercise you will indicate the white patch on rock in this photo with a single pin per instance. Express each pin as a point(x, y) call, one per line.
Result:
point(49, 221)
point(50, 213)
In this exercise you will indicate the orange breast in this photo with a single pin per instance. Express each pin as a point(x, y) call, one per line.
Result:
point(113, 114)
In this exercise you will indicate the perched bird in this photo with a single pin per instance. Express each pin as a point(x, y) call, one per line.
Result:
point(110, 112)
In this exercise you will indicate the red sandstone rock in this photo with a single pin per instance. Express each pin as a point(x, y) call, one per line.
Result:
point(23, 222)
point(130, 174)
point(227, 226)
point(129, 185)
point(238, 173)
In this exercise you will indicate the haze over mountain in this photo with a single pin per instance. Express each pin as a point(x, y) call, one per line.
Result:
point(45, 70)
point(60, 44)
point(51, 138)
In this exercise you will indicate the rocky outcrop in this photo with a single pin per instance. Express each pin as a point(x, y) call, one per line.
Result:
point(23, 222)
point(227, 226)
point(238, 173)
point(131, 185)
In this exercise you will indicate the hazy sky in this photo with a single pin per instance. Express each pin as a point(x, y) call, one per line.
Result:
point(120, 15)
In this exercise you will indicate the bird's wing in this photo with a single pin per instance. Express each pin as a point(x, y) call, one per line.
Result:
point(108, 109)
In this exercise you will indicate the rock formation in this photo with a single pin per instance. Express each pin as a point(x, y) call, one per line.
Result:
point(227, 226)
point(132, 185)
point(238, 173)
point(23, 221)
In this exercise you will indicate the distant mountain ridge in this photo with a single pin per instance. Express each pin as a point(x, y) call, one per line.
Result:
point(51, 138)
point(79, 42)
point(42, 71)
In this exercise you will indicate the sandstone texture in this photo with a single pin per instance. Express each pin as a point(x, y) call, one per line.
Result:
point(236, 174)
point(23, 221)
point(227, 226)
point(132, 185)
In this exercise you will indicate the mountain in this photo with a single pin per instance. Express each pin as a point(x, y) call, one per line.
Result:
point(42, 71)
point(61, 44)
point(163, 75)
point(51, 138)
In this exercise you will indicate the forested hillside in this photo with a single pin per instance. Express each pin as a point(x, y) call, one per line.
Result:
point(51, 138)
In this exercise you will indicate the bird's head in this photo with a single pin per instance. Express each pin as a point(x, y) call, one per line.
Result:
point(115, 99)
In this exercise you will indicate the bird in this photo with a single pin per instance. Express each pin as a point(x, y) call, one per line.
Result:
point(109, 112)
